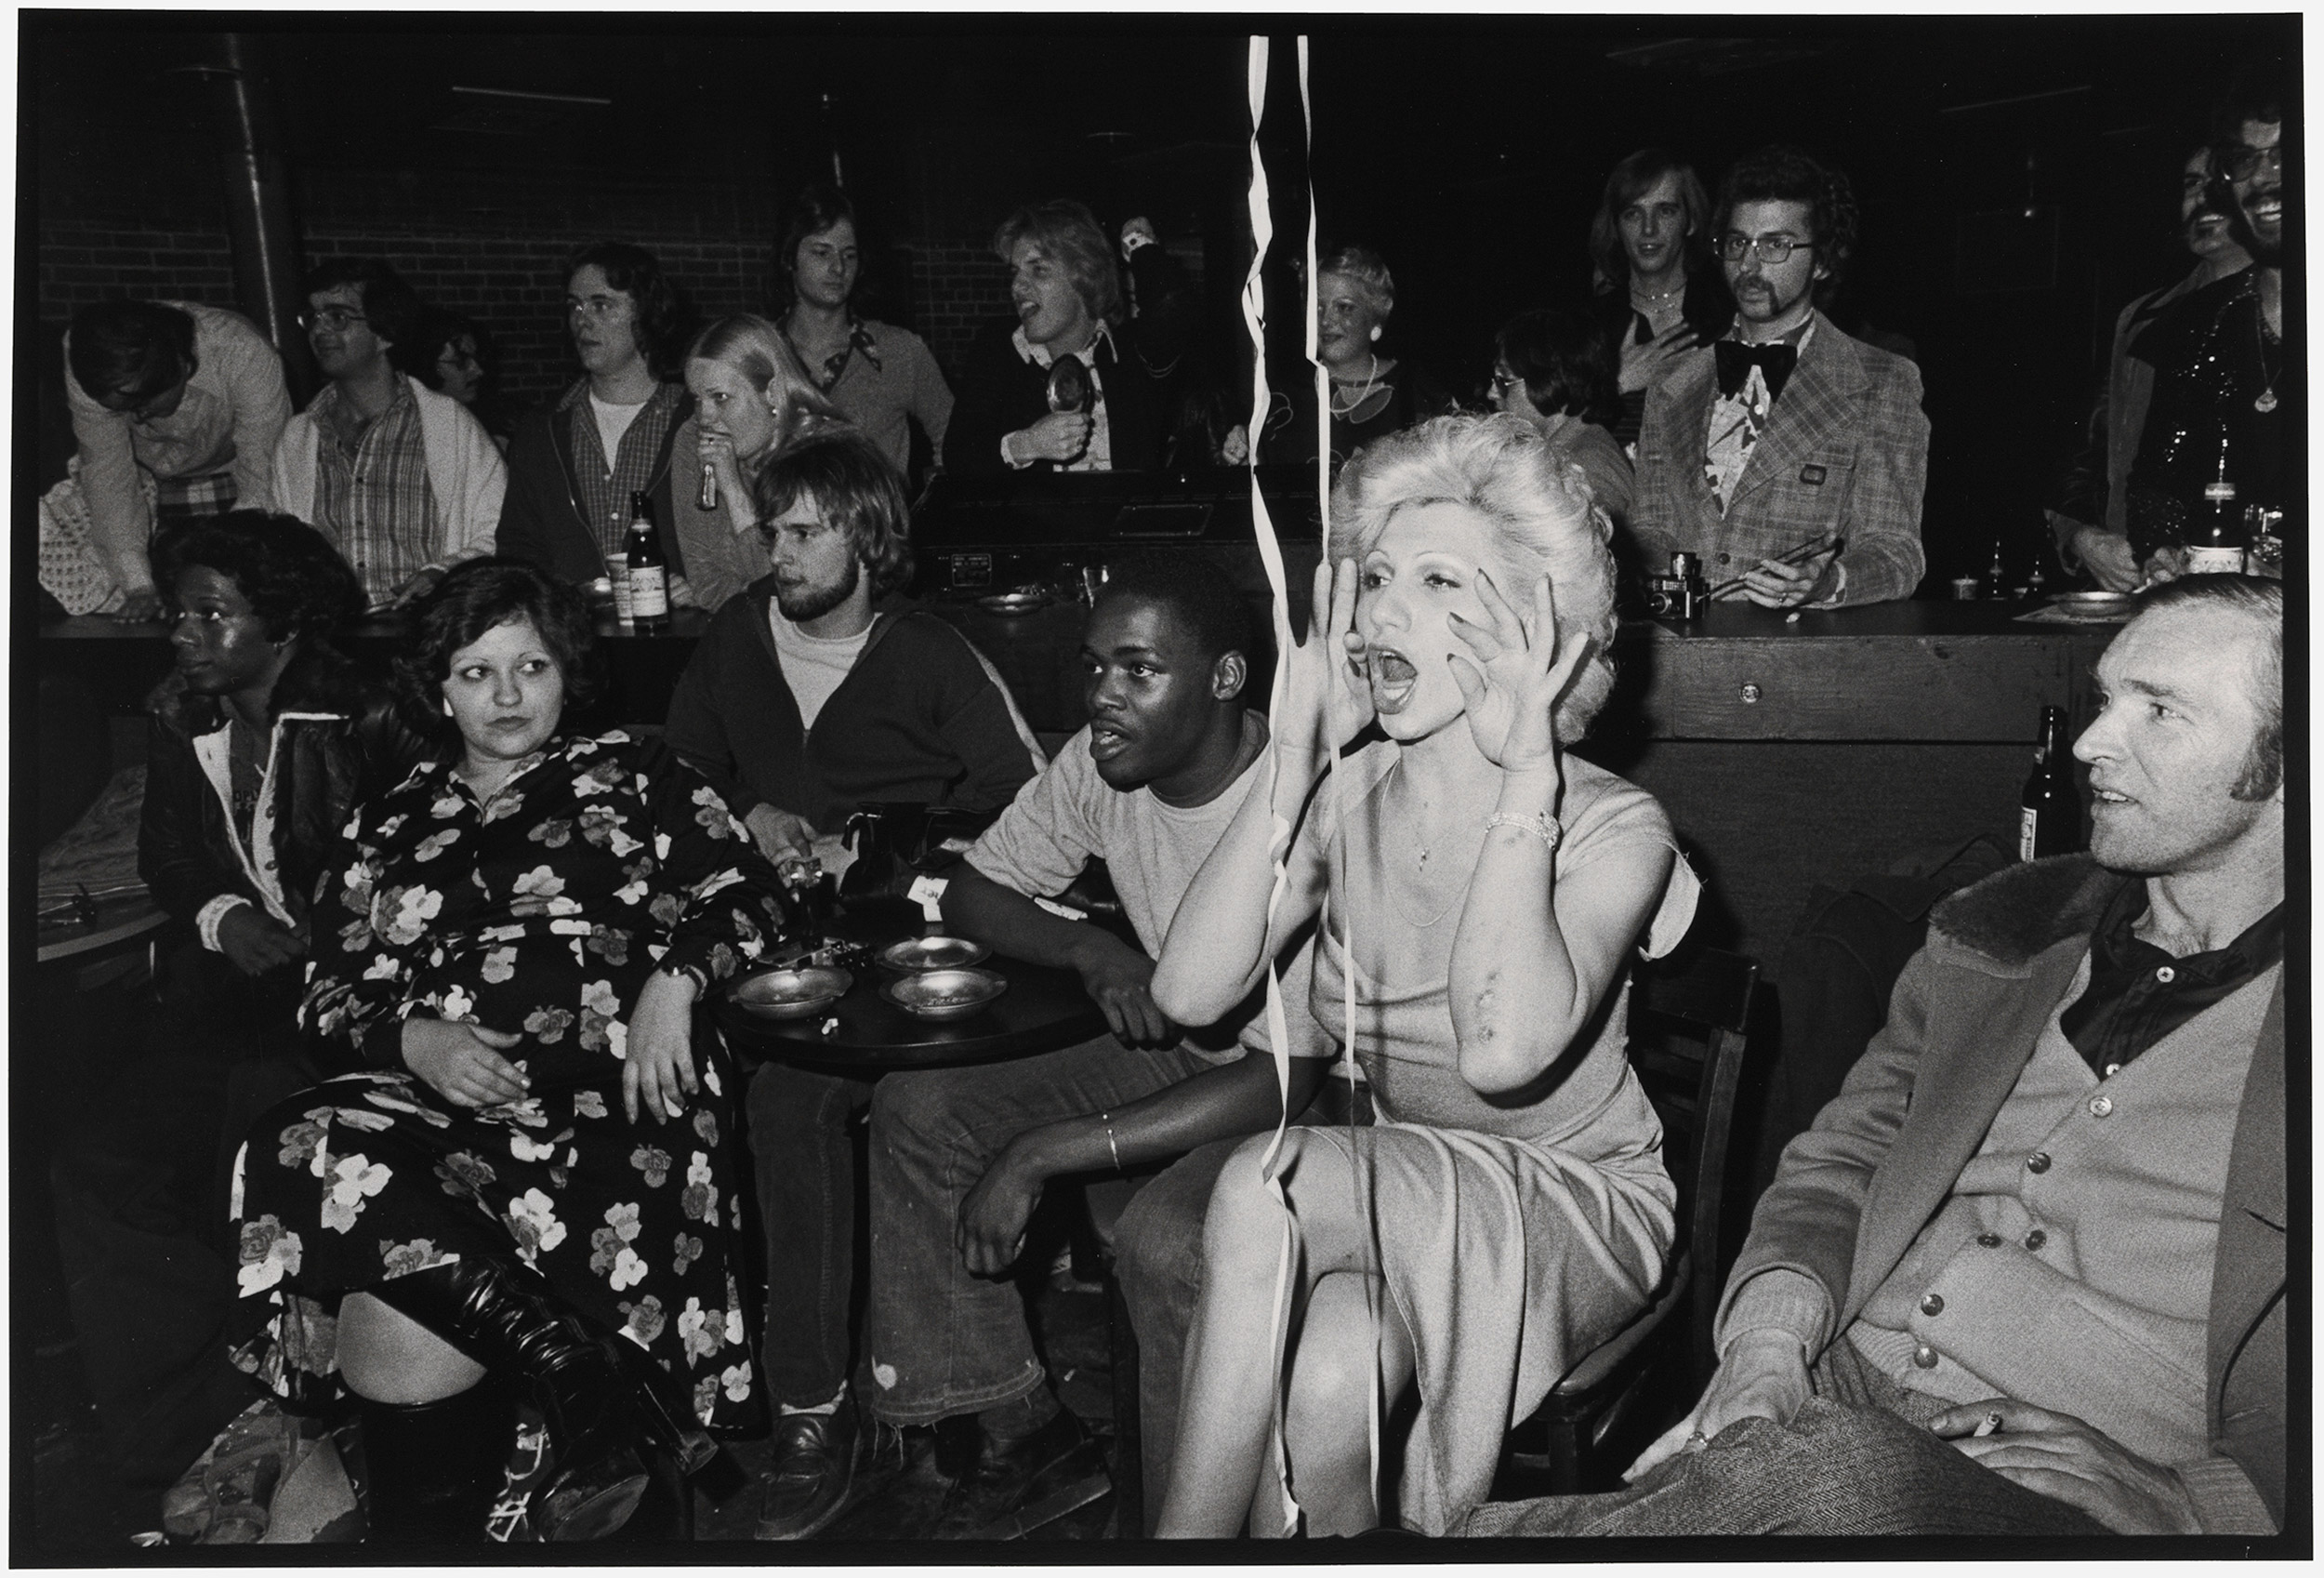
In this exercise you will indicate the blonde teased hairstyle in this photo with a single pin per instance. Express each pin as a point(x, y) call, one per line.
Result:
point(1543, 516)
point(755, 349)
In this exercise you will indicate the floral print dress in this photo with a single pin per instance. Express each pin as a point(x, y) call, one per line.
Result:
point(543, 910)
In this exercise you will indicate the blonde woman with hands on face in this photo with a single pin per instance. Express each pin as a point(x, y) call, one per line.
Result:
point(1485, 889)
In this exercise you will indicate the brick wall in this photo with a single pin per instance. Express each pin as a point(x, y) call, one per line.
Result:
point(496, 253)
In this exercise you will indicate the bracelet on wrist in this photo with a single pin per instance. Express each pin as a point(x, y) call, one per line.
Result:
point(1546, 828)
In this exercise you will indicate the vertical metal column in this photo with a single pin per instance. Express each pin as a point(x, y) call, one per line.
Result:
point(258, 224)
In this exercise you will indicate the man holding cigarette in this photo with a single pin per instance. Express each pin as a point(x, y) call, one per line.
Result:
point(1788, 456)
point(2026, 1272)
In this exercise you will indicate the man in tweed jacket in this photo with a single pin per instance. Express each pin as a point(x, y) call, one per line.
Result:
point(1786, 433)
point(2031, 1260)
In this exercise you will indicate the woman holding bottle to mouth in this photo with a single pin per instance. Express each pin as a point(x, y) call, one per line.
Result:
point(751, 397)
point(1485, 889)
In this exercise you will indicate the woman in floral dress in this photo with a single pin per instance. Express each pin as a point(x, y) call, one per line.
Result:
point(525, 1157)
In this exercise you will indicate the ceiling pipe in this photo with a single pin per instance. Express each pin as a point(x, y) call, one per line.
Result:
point(268, 265)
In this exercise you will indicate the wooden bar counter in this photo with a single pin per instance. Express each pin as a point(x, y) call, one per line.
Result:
point(1788, 753)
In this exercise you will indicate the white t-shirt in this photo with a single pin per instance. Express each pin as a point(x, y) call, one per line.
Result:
point(612, 422)
point(812, 666)
point(1153, 850)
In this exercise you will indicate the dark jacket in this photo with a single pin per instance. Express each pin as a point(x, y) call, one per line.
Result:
point(921, 717)
point(540, 516)
point(1707, 308)
point(1855, 1189)
point(323, 769)
point(1001, 393)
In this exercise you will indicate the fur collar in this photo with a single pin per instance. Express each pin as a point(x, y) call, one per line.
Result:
point(2020, 910)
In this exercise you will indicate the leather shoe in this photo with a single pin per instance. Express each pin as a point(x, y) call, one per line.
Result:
point(1008, 1476)
point(815, 1467)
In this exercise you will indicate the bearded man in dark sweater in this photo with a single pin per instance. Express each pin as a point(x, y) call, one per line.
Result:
point(815, 689)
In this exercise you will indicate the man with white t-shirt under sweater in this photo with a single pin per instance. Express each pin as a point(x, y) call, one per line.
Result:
point(572, 465)
point(815, 689)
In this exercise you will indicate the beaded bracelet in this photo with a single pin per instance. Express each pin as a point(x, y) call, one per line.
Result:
point(1543, 827)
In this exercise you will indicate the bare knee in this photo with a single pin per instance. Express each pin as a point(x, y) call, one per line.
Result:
point(387, 1357)
point(1244, 1222)
point(1332, 1368)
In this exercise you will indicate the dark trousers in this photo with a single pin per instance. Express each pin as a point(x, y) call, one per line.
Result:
point(803, 1172)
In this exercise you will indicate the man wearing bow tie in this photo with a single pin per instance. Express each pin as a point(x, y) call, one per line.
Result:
point(1786, 454)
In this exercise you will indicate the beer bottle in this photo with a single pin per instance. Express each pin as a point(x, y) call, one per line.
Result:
point(2217, 544)
point(649, 569)
point(2050, 816)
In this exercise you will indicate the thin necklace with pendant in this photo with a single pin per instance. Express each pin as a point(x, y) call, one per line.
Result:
point(2266, 400)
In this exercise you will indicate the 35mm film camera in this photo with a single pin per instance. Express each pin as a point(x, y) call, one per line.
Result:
point(1679, 595)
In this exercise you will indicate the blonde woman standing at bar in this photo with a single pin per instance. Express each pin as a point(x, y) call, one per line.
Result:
point(750, 399)
point(1484, 890)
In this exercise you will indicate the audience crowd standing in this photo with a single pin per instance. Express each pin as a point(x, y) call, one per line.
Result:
point(425, 1100)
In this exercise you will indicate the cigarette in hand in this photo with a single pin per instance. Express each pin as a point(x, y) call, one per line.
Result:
point(1987, 1425)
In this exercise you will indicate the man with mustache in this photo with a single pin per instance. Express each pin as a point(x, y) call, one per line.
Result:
point(1786, 433)
point(1073, 333)
point(816, 688)
point(2225, 381)
point(2025, 1273)
point(2087, 506)
point(403, 481)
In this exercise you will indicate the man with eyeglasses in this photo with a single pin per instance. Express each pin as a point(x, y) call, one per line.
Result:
point(402, 480)
point(2226, 388)
point(573, 466)
point(1788, 456)
point(2087, 505)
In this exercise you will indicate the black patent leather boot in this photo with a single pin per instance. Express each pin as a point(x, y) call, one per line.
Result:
point(432, 1470)
point(602, 1404)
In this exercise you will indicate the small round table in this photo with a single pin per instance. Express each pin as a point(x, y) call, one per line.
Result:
point(1043, 1010)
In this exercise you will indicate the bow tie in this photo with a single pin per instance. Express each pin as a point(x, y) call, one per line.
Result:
point(1775, 362)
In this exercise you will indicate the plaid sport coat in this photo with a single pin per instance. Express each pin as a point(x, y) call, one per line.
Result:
point(1847, 451)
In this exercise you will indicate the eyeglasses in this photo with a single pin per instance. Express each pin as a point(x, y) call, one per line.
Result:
point(1732, 246)
point(338, 320)
point(2241, 162)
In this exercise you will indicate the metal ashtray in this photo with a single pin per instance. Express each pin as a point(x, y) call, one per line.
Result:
point(934, 953)
point(2097, 604)
point(791, 994)
point(1020, 602)
point(945, 994)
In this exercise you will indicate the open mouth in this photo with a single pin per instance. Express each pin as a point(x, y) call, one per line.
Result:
point(1393, 676)
point(1106, 742)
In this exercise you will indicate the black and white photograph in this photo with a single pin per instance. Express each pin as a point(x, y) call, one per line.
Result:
point(1494, 786)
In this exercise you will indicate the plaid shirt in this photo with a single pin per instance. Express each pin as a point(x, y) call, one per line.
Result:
point(372, 495)
point(605, 489)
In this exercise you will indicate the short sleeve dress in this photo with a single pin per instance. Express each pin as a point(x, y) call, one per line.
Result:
point(1513, 1238)
point(543, 910)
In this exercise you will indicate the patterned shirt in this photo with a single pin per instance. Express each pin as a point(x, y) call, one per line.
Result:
point(372, 495)
point(605, 489)
point(1738, 419)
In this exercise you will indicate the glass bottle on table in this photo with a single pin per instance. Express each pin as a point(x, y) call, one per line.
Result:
point(2049, 813)
point(1996, 574)
point(648, 570)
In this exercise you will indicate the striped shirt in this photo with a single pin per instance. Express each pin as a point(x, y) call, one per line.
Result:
point(372, 495)
point(605, 489)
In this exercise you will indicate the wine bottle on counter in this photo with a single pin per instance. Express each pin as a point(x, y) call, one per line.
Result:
point(2216, 546)
point(649, 570)
point(2049, 815)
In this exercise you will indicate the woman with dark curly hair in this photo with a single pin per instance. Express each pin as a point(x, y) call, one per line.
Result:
point(259, 744)
point(521, 1160)
point(1551, 370)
